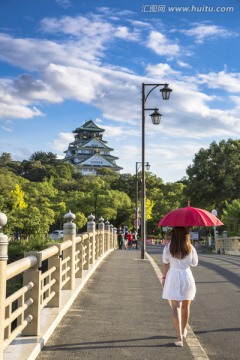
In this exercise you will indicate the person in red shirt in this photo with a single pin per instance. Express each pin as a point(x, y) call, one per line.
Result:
point(130, 239)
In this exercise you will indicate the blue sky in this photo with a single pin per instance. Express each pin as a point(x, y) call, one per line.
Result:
point(63, 62)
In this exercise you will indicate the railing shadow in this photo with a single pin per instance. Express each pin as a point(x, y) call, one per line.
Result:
point(119, 343)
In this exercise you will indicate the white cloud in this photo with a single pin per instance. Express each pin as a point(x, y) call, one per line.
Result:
point(5, 128)
point(124, 32)
point(161, 71)
point(120, 132)
point(183, 64)
point(15, 51)
point(80, 68)
point(77, 83)
point(161, 45)
point(92, 28)
point(19, 95)
point(201, 32)
point(62, 141)
point(17, 111)
point(230, 82)
point(235, 100)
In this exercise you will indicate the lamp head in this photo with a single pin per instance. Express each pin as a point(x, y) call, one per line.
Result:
point(166, 91)
point(147, 165)
point(156, 117)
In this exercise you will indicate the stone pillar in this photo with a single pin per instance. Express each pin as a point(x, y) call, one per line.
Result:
point(107, 236)
point(33, 275)
point(101, 236)
point(115, 243)
point(3, 279)
point(69, 233)
point(57, 262)
point(91, 226)
point(111, 237)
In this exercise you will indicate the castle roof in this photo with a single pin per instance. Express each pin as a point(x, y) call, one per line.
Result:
point(89, 126)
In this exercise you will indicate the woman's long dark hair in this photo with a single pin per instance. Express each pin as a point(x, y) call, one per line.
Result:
point(180, 245)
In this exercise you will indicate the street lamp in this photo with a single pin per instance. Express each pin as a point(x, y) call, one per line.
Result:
point(156, 118)
point(138, 165)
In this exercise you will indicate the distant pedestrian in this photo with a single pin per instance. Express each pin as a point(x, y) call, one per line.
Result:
point(130, 239)
point(135, 239)
point(178, 282)
point(120, 237)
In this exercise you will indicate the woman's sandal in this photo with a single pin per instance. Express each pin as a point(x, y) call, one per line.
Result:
point(178, 343)
point(185, 333)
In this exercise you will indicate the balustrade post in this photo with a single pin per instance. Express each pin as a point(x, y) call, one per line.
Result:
point(91, 227)
point(79, 249)
point(57, 262)
point(3, 279)
point(107, 237)
point(111, 237)
point(69, 233)
point(115, 243)
point(33, 275)
point(101, 236)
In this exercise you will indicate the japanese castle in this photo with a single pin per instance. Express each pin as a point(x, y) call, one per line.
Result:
point(89, 152)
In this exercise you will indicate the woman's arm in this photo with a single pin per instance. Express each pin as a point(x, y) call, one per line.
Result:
point(164, 272)
point(194, 257)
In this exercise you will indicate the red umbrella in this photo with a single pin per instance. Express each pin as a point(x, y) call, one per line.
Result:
point(189, 216)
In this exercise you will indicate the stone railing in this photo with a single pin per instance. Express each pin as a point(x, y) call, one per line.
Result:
point(228, 246)
point(50, 278)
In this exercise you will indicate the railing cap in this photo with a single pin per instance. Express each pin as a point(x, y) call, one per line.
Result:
point(91, 217)
point(3, 219)
point(69, 216)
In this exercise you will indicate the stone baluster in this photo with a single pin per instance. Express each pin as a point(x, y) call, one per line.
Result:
point(115, 243)
point(107, 234)
point(33, 275)
point(101, 236)
point(69, 233)
point(91, 226)
point(111, 236)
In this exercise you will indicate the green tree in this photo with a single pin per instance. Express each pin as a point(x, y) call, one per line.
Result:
point(125, 183)
point(18, 195)
point(231, 217)
point(5, 158)
point(44, 157)
point(214, 175)
point(166, 198)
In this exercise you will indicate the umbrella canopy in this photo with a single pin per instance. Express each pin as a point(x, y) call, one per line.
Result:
point(189, 216)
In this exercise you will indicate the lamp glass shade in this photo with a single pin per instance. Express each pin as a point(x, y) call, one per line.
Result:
point(166, 91)
point(147, 165)
point(156, 117)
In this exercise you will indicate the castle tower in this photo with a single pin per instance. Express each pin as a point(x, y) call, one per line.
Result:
point(89, 152)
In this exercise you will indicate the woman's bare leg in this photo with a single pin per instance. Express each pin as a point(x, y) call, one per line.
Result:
point(177, 319)
point(185, 313)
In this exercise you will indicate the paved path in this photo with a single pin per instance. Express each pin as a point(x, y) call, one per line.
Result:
point(215, 313)
point(119, 315)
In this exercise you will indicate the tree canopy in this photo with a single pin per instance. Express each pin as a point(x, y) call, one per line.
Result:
point(213, 177)
point(36, 193)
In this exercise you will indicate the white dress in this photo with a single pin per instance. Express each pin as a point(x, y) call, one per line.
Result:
point(179, 283)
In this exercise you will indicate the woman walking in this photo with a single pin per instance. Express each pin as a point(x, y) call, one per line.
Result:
point(178, 282)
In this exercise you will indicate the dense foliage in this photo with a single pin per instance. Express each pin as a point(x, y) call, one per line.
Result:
point(214, 176)
point(214, 181)
point(36, 193)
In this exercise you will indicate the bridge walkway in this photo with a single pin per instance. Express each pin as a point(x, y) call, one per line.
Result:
point(118, 315)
